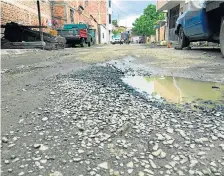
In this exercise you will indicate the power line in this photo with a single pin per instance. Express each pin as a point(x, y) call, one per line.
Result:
point(119, 8)
point(125, 12)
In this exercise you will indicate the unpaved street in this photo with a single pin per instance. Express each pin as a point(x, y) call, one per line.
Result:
point(113, 110)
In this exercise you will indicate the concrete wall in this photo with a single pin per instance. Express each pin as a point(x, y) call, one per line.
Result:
point(160, 3)
point(103, 34)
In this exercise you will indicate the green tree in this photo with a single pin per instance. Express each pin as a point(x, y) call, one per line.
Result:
point(119, 30)
point(144, 25)
point(114, 22)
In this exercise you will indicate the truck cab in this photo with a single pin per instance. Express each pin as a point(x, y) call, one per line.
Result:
point(76, 34)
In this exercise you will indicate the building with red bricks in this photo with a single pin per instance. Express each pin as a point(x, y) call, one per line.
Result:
point(56, 13)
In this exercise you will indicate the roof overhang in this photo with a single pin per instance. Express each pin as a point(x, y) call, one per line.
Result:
point(167, 5)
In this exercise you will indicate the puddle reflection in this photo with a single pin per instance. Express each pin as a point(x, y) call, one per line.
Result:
point(177, 90)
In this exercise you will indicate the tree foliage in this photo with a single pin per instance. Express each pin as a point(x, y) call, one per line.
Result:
point(114, 22)
point(119, 30)
point(144, 25)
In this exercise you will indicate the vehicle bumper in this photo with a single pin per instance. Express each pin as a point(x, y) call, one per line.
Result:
point(116, 42)
point(71, 40)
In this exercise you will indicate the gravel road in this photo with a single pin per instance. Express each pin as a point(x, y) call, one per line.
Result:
point(68, 112)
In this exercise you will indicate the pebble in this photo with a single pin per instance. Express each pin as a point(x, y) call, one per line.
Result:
point(56, 173)
point(183, 160)
point(43, 147)
point(192, 146)
point(130, 171)
point(221, 146)
point(77, 159)
point(9, 170)
point(4, 139)
point(11, 145)
point(169, 130)
point(159, 153)
point(193, 163)
point(149, 171)
point(191, 172)
point(201, 153)
point(201, 140)
point(6, 162)
point(162, 154)
point(44, 161)
point(141, 173)
point(213, 164)
point(52, 93)
point(160, 137)
point(206, 171)
point(21, 173)
point(130, 164)
point(44, 119)
point(36, 146)
point(155, 147)
point(180, 173)
point(103, 165)
point(152, 164)
point(156, 153)
point(168, 166)
point(81, 151)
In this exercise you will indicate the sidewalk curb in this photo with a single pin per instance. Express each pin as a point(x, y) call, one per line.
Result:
point(5, 52)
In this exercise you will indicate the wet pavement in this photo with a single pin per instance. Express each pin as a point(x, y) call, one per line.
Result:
point(114, 118)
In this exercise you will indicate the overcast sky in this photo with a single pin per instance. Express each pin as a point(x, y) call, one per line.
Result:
point(126, 11)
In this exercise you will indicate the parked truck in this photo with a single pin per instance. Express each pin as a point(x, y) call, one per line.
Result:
point(203, 21)
point(77, 34)
point(125, 36)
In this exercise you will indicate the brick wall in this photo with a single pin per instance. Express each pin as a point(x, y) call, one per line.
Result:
point(24, 12)
point(95, 8)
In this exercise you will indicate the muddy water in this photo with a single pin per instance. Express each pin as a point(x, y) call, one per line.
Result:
point(177, 90)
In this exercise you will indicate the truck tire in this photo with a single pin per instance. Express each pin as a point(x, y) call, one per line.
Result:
point(221, 37)
point(182, 39)
point(89, 44)
point(83, 42)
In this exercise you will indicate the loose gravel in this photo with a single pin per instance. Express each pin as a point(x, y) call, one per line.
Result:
point(93, 124)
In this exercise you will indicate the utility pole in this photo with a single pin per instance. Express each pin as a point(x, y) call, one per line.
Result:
point(39, 17)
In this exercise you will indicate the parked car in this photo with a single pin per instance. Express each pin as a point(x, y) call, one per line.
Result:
point(202, 24)
point(141, 40)
point(116, 39)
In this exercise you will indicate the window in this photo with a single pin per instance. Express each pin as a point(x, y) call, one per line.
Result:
point(103, 35)
point(109, 3)
point(72, 15)
point(109, 18)
point(86, 2)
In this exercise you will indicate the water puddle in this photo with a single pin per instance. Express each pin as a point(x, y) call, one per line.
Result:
point(177, 90)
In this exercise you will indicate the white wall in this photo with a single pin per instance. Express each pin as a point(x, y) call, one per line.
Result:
point(103, 34)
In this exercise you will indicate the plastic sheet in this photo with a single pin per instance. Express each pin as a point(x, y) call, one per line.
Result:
point(195, 5)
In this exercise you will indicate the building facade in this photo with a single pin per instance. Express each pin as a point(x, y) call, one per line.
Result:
point(56, 13)
point(174, 9)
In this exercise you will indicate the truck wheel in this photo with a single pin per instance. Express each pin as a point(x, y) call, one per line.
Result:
point(182, 39)
point(221, 37)
point(83, 42)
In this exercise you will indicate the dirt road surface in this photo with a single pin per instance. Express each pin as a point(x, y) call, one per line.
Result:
point(89, 111)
